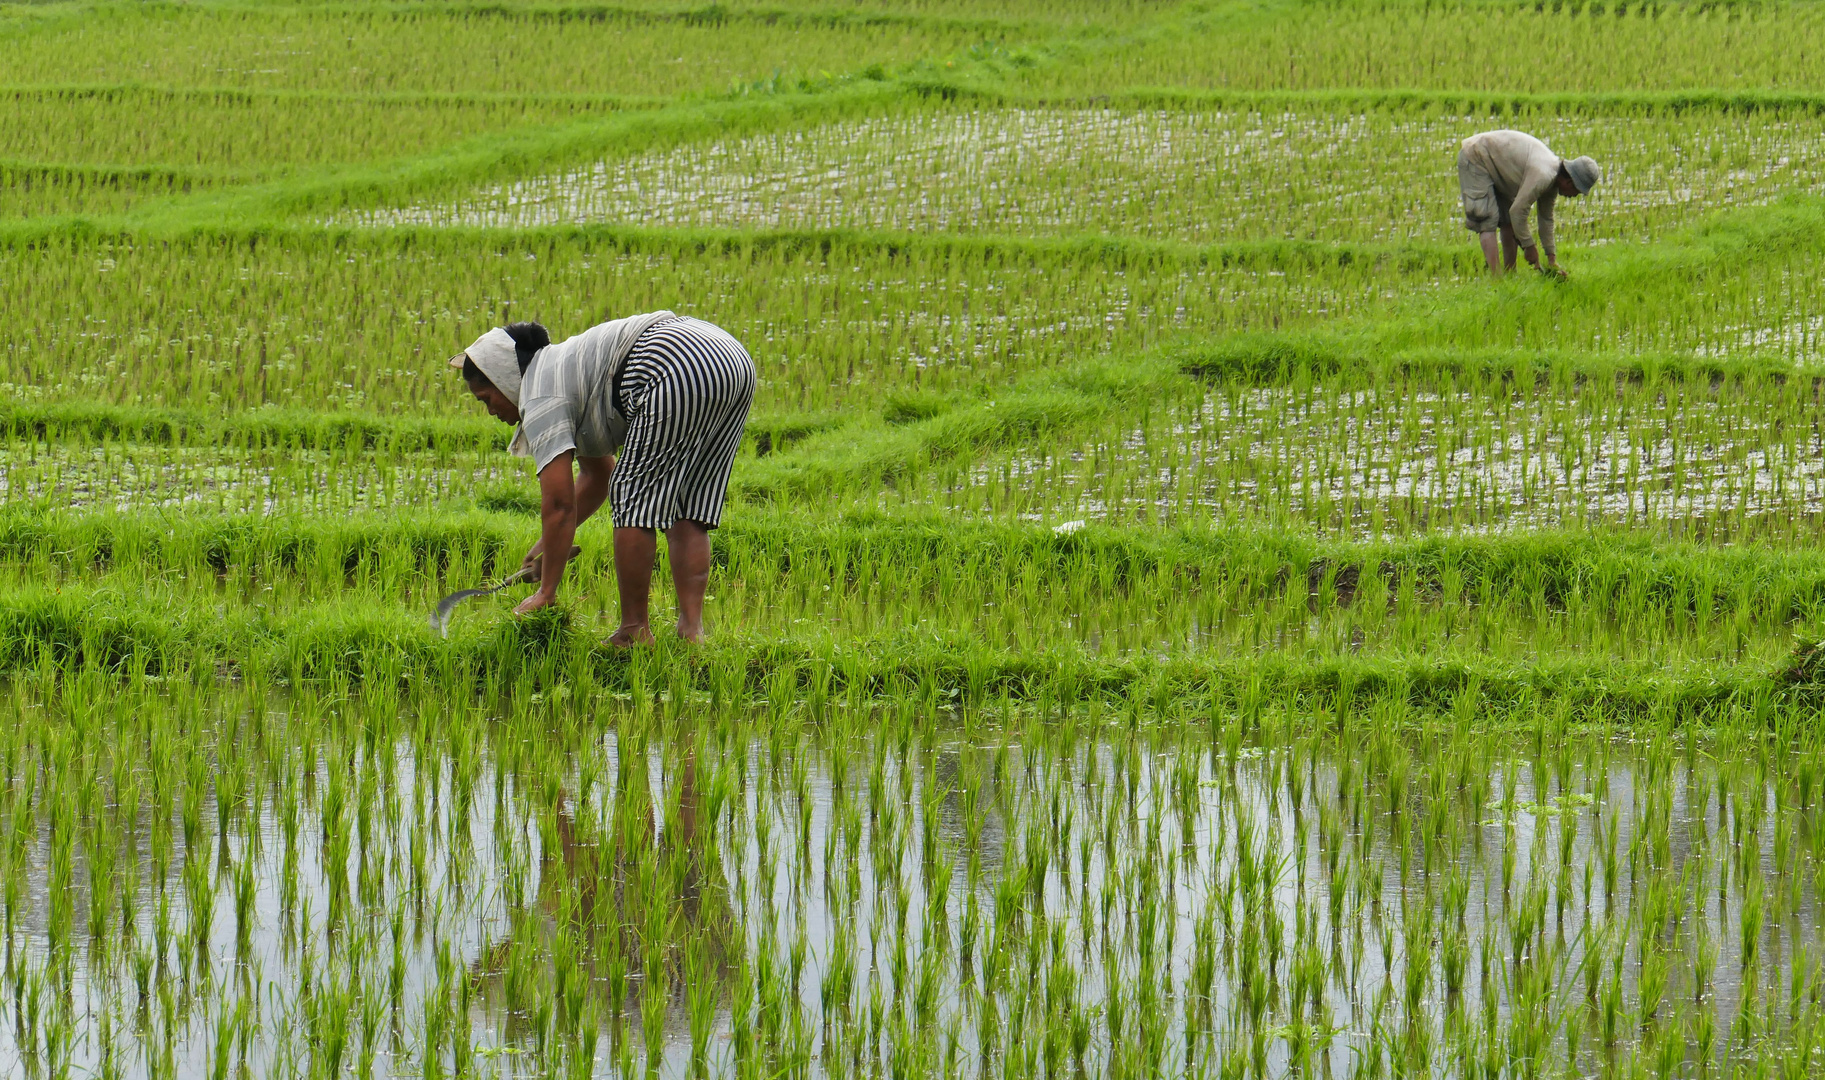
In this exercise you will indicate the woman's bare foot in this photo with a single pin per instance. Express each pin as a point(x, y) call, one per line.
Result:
point(692, 633)
point(629, 636)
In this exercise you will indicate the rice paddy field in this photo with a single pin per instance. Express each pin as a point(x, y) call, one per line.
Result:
point(1174, 615)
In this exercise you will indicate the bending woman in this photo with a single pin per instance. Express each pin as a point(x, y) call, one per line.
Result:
point(671, 394)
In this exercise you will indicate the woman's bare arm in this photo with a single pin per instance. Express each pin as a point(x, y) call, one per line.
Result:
point(593, 475)
point(557, 525)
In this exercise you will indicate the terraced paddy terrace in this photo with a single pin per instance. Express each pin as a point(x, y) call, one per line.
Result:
point(1174, 614)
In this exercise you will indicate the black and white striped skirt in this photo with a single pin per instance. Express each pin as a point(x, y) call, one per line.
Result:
point(685, 389)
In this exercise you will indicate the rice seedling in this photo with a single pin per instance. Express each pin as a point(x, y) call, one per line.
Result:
point(829, 329)
point(1400, 45)
point(507, 49)
point(210, 136)
point(1312, 173)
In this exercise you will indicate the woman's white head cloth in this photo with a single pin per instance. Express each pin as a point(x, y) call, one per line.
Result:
point(494, 354)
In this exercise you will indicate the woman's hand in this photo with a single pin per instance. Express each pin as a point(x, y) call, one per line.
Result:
point(537, 600)
point(530, 564)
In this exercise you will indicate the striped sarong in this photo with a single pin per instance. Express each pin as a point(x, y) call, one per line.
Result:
point(685, 389)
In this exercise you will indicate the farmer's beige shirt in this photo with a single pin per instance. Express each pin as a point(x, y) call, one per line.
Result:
point(1525, 174)
point(567, 399)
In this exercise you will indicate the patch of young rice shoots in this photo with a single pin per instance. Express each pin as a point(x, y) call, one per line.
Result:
point(1761, 304)
point(499, 50)
point(1326, 175)
point(353, 877)
point(1681, 459)
point(28, 191)
point(1406, 46)
point(242, 135)
point(322, 323)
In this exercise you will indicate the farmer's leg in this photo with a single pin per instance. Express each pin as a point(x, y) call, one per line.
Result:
point(635, 551)
point(688, 544)
point(1481, 213)
point(643, 489)
point(726, 382)
point(1490, 254)
point(1509, 247)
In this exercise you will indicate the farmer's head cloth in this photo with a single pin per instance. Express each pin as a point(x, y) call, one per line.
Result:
point(495, 355)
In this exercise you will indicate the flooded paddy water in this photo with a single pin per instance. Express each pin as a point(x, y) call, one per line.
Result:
point(1419, 457)
point(1427, 455)
point(73, 474)
point(204, 881)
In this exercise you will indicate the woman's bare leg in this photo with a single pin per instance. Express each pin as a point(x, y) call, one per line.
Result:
point(688, 544)
point(635, 552)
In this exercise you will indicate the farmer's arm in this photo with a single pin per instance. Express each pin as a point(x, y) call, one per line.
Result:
point(557, 525)
point(1546, 204)
point(1530, 194)
point(593, 475)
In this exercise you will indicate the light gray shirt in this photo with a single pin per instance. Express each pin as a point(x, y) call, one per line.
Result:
point(1525, 175)
point(567, 396)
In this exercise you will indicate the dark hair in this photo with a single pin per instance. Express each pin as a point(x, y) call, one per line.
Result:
point(528, 339)
point(472, 374)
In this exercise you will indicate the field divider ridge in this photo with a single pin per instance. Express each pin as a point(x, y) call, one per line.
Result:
point(1624, 568)
point(1464, 102)
point(42, 631)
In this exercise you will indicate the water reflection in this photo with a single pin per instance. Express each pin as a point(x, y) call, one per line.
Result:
point(700, 892)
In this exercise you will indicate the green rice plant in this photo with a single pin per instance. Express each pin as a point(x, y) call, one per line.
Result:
point(1750, 923)
point(1401, 45)
point(1255, 172)
point(195, 139)
point(451, 50)
point(824, 325)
